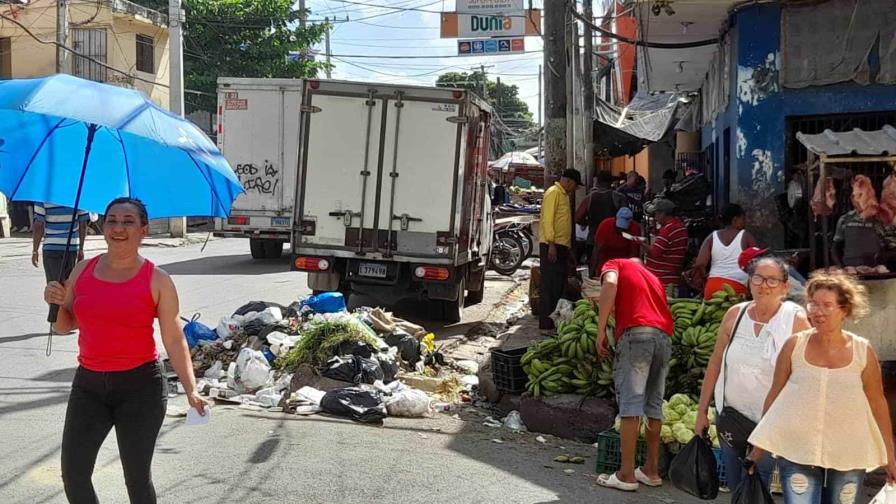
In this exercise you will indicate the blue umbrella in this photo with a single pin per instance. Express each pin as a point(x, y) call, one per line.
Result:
point(75, 142)
point(79, 143)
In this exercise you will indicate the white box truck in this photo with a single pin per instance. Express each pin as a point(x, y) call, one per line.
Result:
point(258, 133)
point(392, 198)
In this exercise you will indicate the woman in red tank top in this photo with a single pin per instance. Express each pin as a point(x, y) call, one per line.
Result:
point(114, 299)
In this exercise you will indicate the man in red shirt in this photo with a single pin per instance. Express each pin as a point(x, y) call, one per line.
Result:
point(665, 258)
point(643, 350)
point(609, 243)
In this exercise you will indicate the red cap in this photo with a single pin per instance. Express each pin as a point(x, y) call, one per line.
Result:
point(748, 255)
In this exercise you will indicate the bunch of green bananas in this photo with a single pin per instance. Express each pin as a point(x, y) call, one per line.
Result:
point(697, 325)
point(567, 362)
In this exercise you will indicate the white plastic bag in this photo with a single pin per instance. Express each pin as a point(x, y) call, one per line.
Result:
point(514, 421)
point(408, 402)
point(887, 495)
point(216, 371)
point(227, 328)
point(564, 312)
point(253, 369)
point(281, 342)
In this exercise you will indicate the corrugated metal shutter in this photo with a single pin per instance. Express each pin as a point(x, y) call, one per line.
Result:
point(89, 42)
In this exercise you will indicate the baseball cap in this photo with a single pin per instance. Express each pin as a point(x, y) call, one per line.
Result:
point(624, 217)
point(748, 255)
point(573, 175)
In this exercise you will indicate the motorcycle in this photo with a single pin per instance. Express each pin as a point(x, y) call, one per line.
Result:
point(512, 244)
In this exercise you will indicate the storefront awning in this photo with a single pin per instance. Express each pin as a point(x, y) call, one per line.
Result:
point(626, 130)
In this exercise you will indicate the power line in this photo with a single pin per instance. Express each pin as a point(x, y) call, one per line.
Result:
point(76, 53)
point(643, 43)
point(414, 56)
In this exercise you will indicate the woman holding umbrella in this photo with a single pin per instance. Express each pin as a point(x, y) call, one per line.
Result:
point(113, 299)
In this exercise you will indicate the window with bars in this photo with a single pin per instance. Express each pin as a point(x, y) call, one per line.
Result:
point(145, 54)
point(90, 42)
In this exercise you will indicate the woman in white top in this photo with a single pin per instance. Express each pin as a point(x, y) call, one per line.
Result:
point(720, 251)
point(740, 371)
point(826, 417)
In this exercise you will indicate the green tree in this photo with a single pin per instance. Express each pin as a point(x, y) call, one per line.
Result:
point(505, 98)
point(244, 38)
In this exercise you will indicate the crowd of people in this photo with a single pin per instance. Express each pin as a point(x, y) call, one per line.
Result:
point(791, 387)
point(612, 217)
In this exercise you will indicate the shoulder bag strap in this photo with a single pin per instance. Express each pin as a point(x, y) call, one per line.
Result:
point(740, 317)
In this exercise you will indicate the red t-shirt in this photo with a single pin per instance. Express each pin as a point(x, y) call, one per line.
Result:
point(611, 245)
point(640, 298)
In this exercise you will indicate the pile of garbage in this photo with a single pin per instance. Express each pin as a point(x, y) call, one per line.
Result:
point(315, 356)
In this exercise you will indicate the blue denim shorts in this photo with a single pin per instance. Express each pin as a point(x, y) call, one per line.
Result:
point(639, 372)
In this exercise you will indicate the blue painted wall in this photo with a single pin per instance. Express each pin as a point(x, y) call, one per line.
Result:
point(757, 110)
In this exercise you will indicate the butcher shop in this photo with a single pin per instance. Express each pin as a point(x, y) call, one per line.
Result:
point(852, 218)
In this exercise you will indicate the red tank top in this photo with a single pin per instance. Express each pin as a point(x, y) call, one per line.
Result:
point(115, 320)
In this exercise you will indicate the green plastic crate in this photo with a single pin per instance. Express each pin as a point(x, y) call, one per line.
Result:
point(609, 455)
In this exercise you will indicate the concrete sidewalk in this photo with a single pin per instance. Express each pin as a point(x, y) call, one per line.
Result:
point(20, 245)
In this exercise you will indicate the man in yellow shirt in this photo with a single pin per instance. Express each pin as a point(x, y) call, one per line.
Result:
point(555, 235)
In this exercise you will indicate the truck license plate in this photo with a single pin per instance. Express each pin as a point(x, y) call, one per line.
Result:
point(372, 270)
point(280, 221)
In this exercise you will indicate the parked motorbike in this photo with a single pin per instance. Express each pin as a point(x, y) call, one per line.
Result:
point(513, 243)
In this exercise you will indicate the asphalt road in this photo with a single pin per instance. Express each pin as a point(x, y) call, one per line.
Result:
point(252, 457)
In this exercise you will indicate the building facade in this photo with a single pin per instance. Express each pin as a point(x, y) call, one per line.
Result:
point(130, 39)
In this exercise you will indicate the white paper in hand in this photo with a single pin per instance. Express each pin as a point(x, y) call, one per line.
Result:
point(194, 418)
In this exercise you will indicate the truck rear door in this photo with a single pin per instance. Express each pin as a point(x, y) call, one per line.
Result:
point(380, 170)
point(258, 135)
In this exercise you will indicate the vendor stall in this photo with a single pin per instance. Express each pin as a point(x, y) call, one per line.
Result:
point(854, 179)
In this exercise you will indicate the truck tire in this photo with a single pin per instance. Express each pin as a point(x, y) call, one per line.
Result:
point(452, 311)
point(256, 247)
point(273, 249)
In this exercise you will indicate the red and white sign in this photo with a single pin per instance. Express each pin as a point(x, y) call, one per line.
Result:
point(232, 101)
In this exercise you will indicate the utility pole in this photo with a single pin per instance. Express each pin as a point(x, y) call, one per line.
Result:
point(540, 123)
point(327, 45)
point(588, 92)
point(303, 16)
point(62, 58)
point(555, 62)
point(177, 226)
point(483, 84)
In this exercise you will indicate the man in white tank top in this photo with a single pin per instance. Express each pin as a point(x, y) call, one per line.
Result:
point(720, 252)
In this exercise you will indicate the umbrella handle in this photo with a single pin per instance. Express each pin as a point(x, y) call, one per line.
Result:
point(54, 313)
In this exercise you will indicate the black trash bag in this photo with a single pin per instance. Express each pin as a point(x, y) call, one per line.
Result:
point(353, 369)
point(269, 328)
point(694, 469)
point(359, 405)
point(355, 348)
point(390, 369)
point(408, 346)
point(257, 306)
point(254, 327)
point(751, 490)
point(293, 310)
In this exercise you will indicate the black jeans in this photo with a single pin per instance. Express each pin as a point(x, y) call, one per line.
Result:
point(132, 401)
point(553, 283)
point(54, 264)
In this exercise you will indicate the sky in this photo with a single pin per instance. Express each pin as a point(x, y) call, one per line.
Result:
point(415, 33)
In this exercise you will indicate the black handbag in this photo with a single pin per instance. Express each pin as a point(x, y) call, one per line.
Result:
point(733, 427)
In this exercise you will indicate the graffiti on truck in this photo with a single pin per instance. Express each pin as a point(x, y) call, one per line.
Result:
point(262, 180)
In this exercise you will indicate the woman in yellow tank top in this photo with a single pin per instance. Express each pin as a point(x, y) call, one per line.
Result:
point(826, 418)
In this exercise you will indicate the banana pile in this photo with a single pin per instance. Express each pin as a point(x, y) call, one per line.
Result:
point(567, 362)
point(697, 325)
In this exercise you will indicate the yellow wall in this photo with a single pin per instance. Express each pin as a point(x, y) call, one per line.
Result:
point(30, 58)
